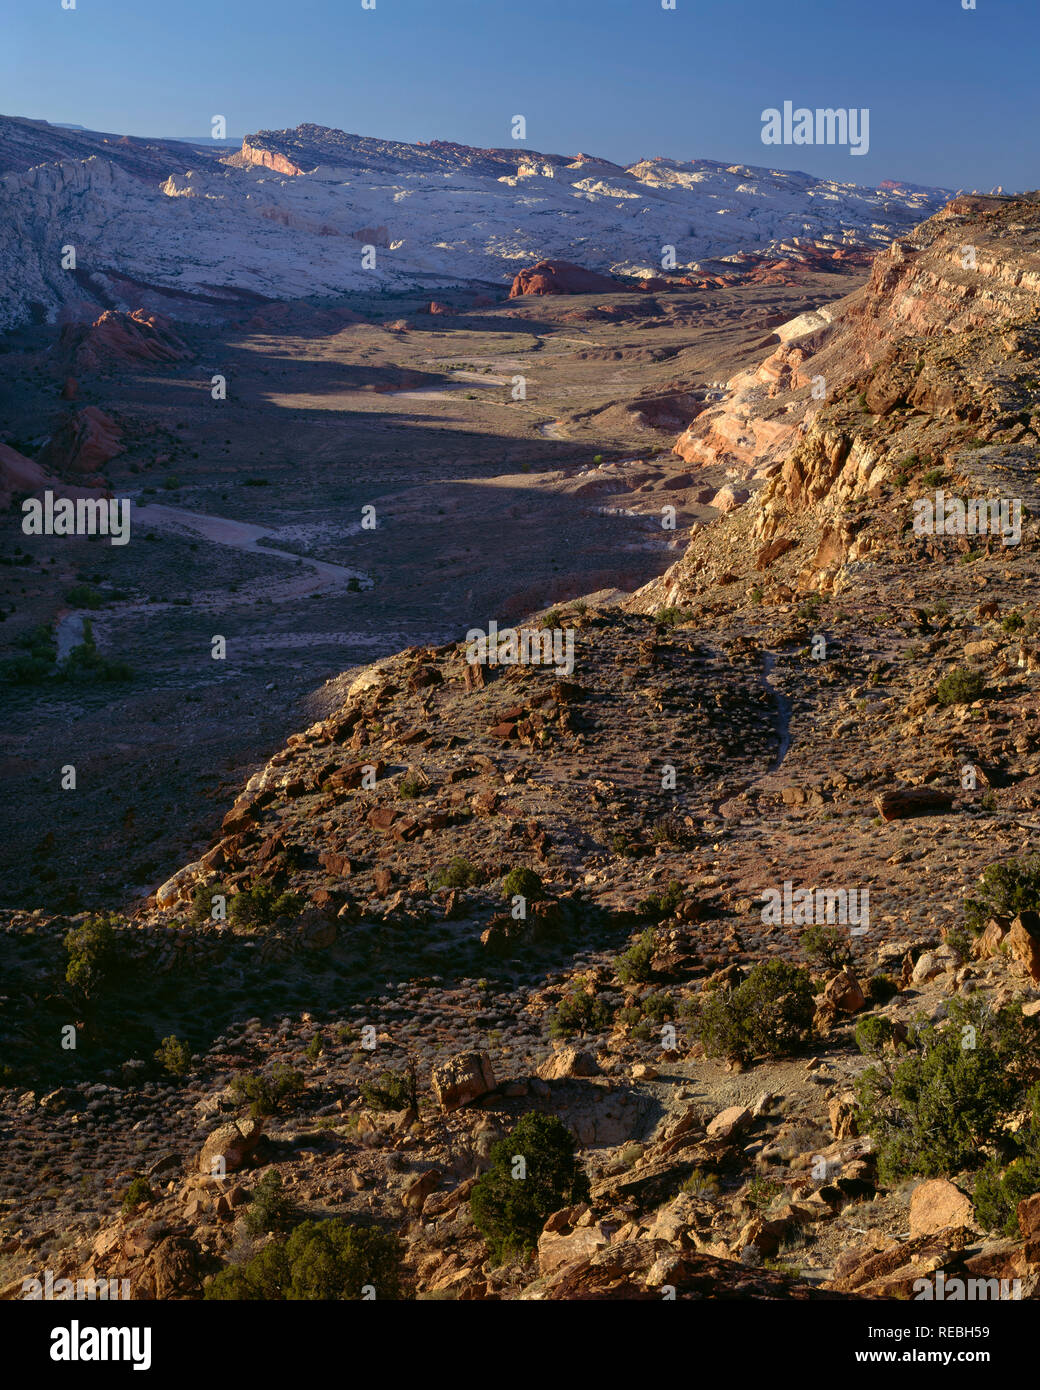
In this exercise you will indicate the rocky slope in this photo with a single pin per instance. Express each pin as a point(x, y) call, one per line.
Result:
point(704, 748)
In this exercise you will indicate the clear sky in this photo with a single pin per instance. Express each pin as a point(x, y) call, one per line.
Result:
point(952, 93)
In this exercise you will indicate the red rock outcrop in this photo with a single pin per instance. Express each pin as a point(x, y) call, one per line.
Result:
point(84, 441)
point(20, 475)
point(120, 338)
point(560, 277)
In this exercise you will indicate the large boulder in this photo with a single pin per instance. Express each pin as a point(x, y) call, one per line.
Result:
point(463, 1078)
point(1024, 943)
point(568, 1061)
point(233, 1142)
point(936, 1205)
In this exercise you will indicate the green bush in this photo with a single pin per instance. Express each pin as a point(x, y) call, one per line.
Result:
point(633, 965)
point(1005, 890)
point(85, 663)
point(84, 596)
point(670, 616)
point(579, 1011)
point(260, 905)
point(768, 1014)
point(662, 905)
point(395, 1090)
point(523, 882)
point(998, 1192)
point(826, 945)
point(174, 1056)
point(269, 1208)
point(510, 1210)
point(460, 873)
point(202, 901)
point(270, 1091)
point(881, 988)
point(932, 1113)
point(320, 1261)
point(135, 1194)
point(35, 661)
point(874, 1034)
point(960, 687)
point(411, 787)
point(91, 949)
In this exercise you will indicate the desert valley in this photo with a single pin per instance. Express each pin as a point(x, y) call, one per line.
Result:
point(313, 914)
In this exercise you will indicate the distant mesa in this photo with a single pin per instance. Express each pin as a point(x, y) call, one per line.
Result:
point(561, 277)
point(118, 338)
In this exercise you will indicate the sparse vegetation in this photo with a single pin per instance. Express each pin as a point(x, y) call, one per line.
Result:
point(960, 687)
point(319, 1261)
point(269, 1091)
point(770, 1013)
point(533, 1172)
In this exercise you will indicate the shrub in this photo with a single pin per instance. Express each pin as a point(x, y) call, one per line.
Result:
point(510, 1210)
point(267, 1092)
point(35, 661)
point(90, 949)
point(260, 905)
point(411, 787)
point(827, 945)
point(270, 1209)
point(874, 1034)
point(174, 1056)
point(202, 901)
point(998, 1193)
point(633, 966)
point(932, 477)
point(523, 882)
point(84, 596)
point(701, 1184)
point(662, 905)
point(395, 1090)
point(960, 687)
point(770, 1013)
point(670, 616)
point(85, 663)
point(881, 988)
point(320, 1261)
point(932, 1113)
point(460, 873)
point(579, 1012)
point(1005, 890)
point(135, 1194)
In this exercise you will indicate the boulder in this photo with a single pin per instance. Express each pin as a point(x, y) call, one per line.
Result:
point(568, 1061)
point(415, 1194)
point(729, 498)
point(1024, 943)
point(463, 1078)
point(843, 992)
point(904, 802)
point(936, 1205)
point(729, 1123)
point(233, 1142)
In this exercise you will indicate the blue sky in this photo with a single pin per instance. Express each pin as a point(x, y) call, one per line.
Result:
point(951, 92)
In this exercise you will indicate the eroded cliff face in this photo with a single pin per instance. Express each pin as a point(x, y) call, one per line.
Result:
point(930, 365)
